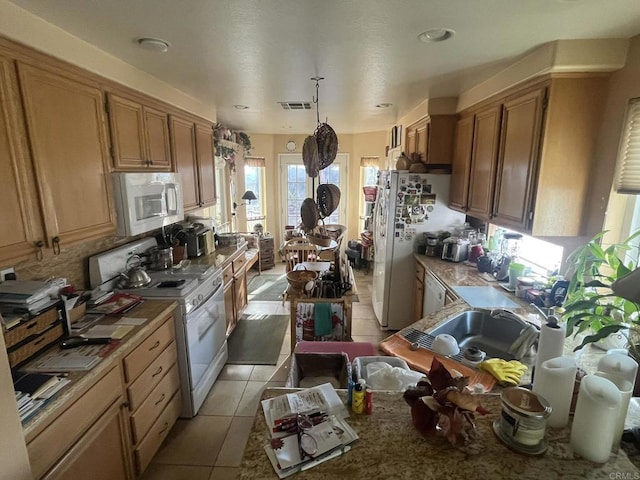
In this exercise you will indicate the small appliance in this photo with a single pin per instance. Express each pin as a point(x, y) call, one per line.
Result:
point(199, 241)
point(455, 249)
point(146, 201)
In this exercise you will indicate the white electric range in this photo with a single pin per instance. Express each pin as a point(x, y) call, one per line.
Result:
point(200, 318)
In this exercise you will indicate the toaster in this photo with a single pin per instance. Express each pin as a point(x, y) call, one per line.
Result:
point(455, 249)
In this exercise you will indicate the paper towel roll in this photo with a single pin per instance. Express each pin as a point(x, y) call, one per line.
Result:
point(550, 344)
point(554, 381)
point(594, 422)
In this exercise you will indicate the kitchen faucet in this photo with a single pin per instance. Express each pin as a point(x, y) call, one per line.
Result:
point(528, 335)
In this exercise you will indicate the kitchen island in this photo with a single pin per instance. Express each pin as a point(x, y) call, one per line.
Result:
point(389, 447)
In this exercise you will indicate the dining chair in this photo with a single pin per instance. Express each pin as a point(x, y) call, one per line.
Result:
point(298, 250)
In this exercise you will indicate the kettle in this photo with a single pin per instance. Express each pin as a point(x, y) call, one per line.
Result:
point(135, 277)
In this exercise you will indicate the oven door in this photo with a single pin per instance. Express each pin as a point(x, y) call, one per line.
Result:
point(206, 335)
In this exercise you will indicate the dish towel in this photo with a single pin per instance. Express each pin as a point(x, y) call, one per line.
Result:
point(322, 324)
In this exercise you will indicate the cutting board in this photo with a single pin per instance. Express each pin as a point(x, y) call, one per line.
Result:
point(485, 297)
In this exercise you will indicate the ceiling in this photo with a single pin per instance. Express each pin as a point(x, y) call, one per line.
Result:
point(261, 52)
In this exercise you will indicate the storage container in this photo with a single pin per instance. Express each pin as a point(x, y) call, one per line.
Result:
point(310, 369)
point(360, 365)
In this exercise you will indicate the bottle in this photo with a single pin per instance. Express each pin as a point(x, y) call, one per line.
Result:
point(368, 401)
point(357, 404)
point(350, 384)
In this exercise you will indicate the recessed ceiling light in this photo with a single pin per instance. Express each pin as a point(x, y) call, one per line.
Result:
point(384, 105)
point(436, 35)
point(154, 44)
point(240, 107)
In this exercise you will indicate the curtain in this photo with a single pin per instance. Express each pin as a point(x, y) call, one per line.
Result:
point(370, 161)
point(254, 162)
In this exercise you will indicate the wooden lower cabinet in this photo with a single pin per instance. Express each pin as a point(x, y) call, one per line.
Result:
point(240, 293)
point(100, 454)
point(229, 307)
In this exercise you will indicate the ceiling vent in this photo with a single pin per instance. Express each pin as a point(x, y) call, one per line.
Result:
point(295, 105)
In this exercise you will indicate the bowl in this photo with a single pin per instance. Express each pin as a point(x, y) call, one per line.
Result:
point(445, 344)
point(299, 278)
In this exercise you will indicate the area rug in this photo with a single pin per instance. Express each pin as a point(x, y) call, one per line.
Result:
point(267, 287)
point(257, 339)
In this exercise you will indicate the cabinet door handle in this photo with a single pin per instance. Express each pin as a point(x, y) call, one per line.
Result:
point(158, 371)
point(162, 397)
point(155, 345)
point(166, 425)
point(56, 245)
point(39, 253)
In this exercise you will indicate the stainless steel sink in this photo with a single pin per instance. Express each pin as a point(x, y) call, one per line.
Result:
point(490, 331)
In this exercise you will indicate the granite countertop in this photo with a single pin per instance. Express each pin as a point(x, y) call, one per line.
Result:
point(466, 274)
point(154, 311)
point(221, 257)
point(390, 447)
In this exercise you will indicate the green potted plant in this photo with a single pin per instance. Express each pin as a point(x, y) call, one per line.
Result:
point(592, 306)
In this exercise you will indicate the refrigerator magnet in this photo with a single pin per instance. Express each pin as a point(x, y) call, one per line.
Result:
point(428, 199)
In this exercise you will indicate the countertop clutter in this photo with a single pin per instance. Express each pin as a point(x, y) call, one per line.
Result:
point(389, 447)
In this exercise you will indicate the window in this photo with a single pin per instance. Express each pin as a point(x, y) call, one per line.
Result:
point(220, 209)
point(543, 257)
point(254, 181)
point(369, 168)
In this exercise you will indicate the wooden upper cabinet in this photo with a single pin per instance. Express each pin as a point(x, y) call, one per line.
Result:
point(484, 157)
point(66, 126)
point(461, 165)
point(19, 213)
point(183, 150)
point(206, 164)
point(422, 136)
point(139, 135)
point(520, 139)
point(432, 139)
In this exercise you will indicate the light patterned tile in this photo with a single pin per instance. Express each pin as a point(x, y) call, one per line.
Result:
point(225, 473)
point(196, 441)
point(223, 398)
point(234, 444)
point(235, 372)
point(366, 327)
point(250, 400)
point(157, 471)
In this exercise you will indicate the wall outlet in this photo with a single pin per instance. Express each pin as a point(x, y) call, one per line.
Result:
point(4, 272)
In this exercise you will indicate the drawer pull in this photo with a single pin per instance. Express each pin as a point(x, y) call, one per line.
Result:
point(155, 345)
point(166, 425)
point(38, 341)
point(158, 371)
point(31, 325)
point(162, 397)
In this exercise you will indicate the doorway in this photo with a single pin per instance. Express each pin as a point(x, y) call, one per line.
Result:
point(297, 186)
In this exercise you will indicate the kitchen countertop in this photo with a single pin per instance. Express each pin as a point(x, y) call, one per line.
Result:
point(155, 311)
point(466, 274)
point(221, 256)
point(390, 447)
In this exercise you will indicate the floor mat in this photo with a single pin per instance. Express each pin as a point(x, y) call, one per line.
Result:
point(257, 339)
point(267, 287)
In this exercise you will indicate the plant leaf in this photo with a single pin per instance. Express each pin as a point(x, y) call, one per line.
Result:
point(599, 335)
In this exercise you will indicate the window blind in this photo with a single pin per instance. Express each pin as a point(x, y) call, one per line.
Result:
point(627, 178)
point(254, 162)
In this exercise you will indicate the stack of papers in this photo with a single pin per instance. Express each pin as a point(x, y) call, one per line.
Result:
point(306, 429)
point(66, 363)
point(33, 390)
point(116, 304)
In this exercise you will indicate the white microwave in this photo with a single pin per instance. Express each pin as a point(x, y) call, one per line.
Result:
point(147, 201)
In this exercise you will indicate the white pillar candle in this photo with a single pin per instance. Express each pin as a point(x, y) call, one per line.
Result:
point(554, 382)
point(626, 390)
point(620, 365)
point(595, 418)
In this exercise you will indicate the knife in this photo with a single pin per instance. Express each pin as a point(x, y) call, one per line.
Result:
point(73, 342)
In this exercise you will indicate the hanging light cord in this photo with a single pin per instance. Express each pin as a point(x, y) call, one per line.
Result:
point(317, 97)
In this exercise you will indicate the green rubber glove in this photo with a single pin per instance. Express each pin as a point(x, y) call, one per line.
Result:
point(509, 373)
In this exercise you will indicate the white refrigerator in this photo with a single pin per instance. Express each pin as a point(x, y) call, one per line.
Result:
point(407, 205)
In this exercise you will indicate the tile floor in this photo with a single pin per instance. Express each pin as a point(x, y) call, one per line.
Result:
point(210, 446)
